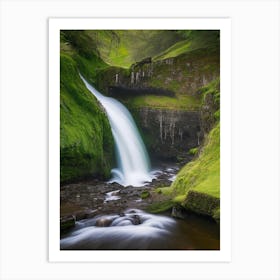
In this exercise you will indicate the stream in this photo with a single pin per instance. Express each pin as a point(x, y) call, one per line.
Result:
point(98, 215)
point(109, 216)
point(135, 229)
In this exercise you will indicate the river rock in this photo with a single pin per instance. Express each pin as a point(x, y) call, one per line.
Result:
point(67, 222)
point(178, 212)
point(103, 222)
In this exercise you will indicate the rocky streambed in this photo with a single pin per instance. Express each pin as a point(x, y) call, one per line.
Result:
point(96, 215)
point(91, 198)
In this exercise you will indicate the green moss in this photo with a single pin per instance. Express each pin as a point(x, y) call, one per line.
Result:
point(193, 151)
point(86, 143)
point(145, 194)
point(193, 40)
point(122, 48)
point(216, 214)
point(213, 90)
point(175, 50)
point(197, 185)
point(203, 173)
point(177, 103)
point(201, 203)
point(159, 207)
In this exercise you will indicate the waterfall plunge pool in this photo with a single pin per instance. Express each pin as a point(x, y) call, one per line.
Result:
point(115, 225)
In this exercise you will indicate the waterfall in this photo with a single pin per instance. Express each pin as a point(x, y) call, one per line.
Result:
point(132, 158)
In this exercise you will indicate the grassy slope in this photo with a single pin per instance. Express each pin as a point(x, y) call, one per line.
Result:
point(86, 144)
point(164, 102)
point(203, 173)
point(197, 185)
point(175, 50)
point(162, 78)
point(193, 41)
point(199, 46)
point(122, 48)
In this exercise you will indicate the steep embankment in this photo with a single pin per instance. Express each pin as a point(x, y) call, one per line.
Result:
point(197, 186)
point(86, 143)
point(121, 48)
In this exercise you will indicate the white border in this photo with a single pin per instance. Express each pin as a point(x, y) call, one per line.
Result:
point(224, 254)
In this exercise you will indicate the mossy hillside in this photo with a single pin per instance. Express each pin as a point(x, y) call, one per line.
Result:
point(210, 109)
point(186, 103)
point(197, 185)
point(121, 48)
point(193, 40)
point(186, 73)
point(86, 143)
point(203, 173)
point(82, 48)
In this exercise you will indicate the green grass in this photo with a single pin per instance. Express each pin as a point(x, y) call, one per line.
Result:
point(203, 173)
point(194, 40)
point(145, 194)
point(177, 103)
point(122, 48)
point(159, 207)
point(175, 50)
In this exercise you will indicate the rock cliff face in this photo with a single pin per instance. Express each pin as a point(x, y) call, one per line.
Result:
point(169, 134)
point(182, 75)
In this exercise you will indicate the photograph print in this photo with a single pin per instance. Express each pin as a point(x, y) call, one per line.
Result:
point(139, 139)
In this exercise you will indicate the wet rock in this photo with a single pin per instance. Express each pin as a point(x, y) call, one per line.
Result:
point(202, 203)
point(178, 212)
point(103, 222)
point(116, 185)
point(67, 223)
point(136, 220)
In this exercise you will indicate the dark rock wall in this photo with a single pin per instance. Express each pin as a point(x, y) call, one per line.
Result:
point(184, 74)
point(169, 134)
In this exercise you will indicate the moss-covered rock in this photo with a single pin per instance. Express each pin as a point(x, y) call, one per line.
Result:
point(201, 203)
point(145, 194)
point(86, 143)
point(203, 173)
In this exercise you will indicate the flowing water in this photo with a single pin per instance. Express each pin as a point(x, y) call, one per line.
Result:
point(132, 158)
point(135, 229)
point(132, 228)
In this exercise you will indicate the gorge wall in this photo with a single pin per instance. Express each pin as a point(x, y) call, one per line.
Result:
point(165, 98)
point(181, 75)
point(169, 134)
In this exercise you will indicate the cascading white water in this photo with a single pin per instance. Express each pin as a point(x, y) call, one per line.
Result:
point(132, 158)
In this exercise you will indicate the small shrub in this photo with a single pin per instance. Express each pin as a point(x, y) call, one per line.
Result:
point(193, 151)
point(145, 194)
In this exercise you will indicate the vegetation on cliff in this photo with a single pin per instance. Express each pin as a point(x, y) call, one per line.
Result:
point(182, 69)
point(185, 63)
point(197, 185)
point(122, 48)
point(86, 144)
